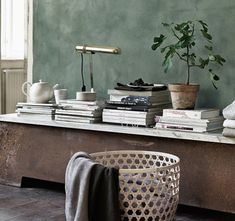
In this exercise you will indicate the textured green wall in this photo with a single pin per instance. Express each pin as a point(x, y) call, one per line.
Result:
point(60, 25)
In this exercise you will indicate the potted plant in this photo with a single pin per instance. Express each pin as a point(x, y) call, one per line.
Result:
point(184, 40)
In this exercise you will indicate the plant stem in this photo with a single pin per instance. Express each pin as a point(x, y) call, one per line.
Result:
point(188, 66)
point(180, 57)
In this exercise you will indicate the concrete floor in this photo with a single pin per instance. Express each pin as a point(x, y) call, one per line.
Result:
point(45, 202)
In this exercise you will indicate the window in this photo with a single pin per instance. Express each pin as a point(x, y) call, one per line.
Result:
point(12, 29)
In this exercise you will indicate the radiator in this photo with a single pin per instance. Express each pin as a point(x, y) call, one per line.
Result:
point(12, 80)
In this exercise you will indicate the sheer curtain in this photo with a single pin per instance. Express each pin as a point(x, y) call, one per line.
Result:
point(12, 29)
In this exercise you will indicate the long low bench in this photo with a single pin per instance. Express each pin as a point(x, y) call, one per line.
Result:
point(41, 149)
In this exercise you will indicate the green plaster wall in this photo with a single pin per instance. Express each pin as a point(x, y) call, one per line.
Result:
point(130, 24)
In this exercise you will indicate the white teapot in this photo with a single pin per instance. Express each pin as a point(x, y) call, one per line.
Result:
point(40, 92)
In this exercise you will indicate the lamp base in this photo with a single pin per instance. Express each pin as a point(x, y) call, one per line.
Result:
point(85, 96)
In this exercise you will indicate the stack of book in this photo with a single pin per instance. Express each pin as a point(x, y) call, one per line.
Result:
point(39, 111)
point(135, 107)
point(201, 120)
point(76, 111)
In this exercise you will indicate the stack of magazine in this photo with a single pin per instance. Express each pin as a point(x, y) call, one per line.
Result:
point(39, 111)
point(135, 107)
point(76, 111)
point(200, 120)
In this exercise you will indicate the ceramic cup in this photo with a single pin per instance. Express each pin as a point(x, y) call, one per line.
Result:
point(60, 94)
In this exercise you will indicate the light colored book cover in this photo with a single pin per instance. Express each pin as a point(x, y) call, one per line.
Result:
point(91, 113)
point(189, 121)
point(137, 93)
point(35, 105)
point(193, 114)
point(128, 120)
point(190, 128)
point(35, 111)
point(74, 101)
point(41, 117)
point(124, 113)
point(77, 119)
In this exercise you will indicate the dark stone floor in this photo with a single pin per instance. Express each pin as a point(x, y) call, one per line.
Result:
point(45, 202)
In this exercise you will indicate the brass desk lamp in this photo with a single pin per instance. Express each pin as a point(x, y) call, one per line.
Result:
point(90, 50)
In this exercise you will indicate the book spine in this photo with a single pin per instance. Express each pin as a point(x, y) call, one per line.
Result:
point(79, 113)
point(174, 120)
point(123, 120)
point(77, 119)
point(129, 115)
point(137, 93)
point(139, 99)
point(36, 116)
point(35, 111)
point(189, 121)
point(180, 127)
point(77, 102)
point(80, 107)
point(181, 114)
point(191, 114)
point(129, 108)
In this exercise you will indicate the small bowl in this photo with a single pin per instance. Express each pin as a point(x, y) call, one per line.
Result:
point(85, 96)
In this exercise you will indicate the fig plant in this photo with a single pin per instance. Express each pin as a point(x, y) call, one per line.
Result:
point(189, 38)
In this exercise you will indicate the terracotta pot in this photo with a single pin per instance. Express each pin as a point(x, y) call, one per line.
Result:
point(183, 96)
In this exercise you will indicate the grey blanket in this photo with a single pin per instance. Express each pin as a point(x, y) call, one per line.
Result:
point(77, 179)
point(92, 190)
point(229, 111)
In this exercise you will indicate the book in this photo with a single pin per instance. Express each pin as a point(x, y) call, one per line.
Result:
point(165, 104)
point(65, 118)
point(36, 116)
point(35, 111)
point(128, 120)
point(35, 105)
point(141, 100)
point(130, 108)
point(188, 121)
point(137, 93)
point(126, 113)
point(191, 114)
point(78, 102)
point(192, 128)
point(79, 107)
point(91, 113)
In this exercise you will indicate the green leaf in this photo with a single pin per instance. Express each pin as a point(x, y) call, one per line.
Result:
point(214, 77)
point(170, 52)
point(167, 64)
point(179, 27)
point(154, 47)
point(220, 60)
point(187, 41)
point(210, 48)
point(203, 62)
point(206, 35)
point(192, 58)
point(211, 57)
point(204, 25)
point(158, 41)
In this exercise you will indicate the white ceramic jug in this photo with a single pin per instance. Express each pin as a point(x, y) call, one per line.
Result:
point(40, 92)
